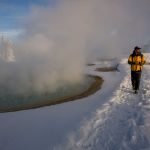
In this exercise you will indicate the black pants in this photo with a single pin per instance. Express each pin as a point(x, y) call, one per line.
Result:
point(135, 79)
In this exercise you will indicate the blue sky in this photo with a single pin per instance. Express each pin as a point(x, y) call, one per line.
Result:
point(13, 11)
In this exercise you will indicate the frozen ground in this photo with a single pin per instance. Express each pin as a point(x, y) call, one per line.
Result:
point(112, 119)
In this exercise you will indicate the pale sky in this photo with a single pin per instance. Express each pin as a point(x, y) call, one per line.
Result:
point(12, 13)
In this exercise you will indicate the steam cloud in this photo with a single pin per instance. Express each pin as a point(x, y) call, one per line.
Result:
point(59, 39)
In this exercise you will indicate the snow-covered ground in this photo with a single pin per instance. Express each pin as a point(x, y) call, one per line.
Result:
point(111, 119)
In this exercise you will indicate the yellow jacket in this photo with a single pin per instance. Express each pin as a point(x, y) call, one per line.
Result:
point(136, 62)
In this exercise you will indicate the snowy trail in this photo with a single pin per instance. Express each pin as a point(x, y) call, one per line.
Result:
point(120, 123)
point(145, 103)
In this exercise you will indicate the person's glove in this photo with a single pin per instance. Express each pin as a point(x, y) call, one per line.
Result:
point(140, 64)
point(136, 63)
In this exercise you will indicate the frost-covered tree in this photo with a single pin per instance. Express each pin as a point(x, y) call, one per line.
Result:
point(6, 49)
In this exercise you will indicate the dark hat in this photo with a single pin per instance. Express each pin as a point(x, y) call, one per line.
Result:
point(135, 48)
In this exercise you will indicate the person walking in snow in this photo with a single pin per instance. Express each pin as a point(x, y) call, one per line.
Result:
point(136, 60)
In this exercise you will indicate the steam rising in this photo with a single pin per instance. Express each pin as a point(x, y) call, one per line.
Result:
point(59, 39)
